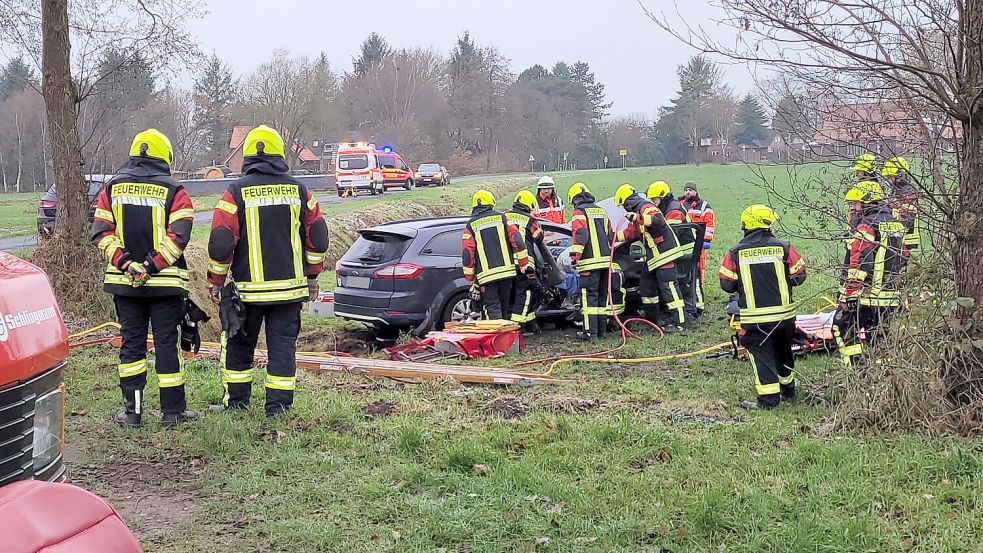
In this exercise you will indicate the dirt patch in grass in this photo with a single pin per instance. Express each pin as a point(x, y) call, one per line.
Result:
point(380, 408)
point(702, 411)
point(353, 342)
point(566, 404)
point(154, 496)
point(507, 407)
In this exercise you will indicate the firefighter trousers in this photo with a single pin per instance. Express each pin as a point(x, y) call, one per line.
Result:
point(496, 299)
point(164, 316)
point(686, 278)
point(594, 302)
point(282, 323)
point(769, 348)
point(661, 300)
point(855, 329)
point(524, 305)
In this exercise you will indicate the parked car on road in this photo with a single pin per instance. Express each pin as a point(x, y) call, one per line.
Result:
point(432, 173)
point(407, 275)
point(48, 204)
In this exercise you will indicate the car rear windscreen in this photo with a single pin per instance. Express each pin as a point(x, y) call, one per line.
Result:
point(429, 167)
point(353, 161)
point(374, 248)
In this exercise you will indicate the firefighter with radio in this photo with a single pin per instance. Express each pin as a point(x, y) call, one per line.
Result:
point(266, 250)
point(699, 211)
point(525, 302)
point(876, 257)
point(659, 193)
point(762, 269)
point(903, 198)
point(142, 224)
point(549, 206)
point(591, 257)
point(493, 255)
point(658, 286)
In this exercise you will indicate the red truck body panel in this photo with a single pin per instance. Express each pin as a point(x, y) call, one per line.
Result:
point(33, 338)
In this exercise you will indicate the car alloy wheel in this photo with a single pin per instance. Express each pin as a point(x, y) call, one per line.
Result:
point(461, 311)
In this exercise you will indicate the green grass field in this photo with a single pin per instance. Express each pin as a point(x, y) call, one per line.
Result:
point(633, 457)
point(18, 213)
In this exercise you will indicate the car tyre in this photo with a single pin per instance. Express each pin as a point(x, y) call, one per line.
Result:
point(458, 308)
point(409, 184)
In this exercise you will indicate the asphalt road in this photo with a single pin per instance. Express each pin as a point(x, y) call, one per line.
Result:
point(205, 217)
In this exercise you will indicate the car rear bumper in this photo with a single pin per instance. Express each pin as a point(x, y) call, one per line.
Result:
point(377, 316)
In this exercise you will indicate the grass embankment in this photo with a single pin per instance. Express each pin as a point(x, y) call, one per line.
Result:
point(18, 213)
point(635, 457)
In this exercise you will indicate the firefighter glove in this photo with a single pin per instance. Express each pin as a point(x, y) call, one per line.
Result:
point(475, 292)
point(190, 337)
point(138, 274)
point(231, 311)
point(631, 216)
point(313, 288)
point(530, 272)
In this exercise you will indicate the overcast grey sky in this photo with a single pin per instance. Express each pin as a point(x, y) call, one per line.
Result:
point(634, 59)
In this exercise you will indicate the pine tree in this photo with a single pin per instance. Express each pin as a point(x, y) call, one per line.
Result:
point(375, 51)
point(215, 91)
point(751, 121)
point(15, 77)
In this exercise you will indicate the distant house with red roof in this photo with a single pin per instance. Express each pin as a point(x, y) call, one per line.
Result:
point(883, 128)
point(307, 160)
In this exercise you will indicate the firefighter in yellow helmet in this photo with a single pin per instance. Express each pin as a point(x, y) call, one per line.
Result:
point(526, 299)
point(493, 254)
point(662, 301)
point(591, 257)
point(266, 250)
point(142, 224)
point(876, 257)
point(903, 198)
point(762, 269)
point(865, 168)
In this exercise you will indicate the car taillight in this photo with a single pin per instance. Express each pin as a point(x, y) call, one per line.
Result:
point(46, 203)
point(400, 270)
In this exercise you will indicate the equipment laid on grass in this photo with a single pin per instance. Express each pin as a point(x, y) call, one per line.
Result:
point(475, 340)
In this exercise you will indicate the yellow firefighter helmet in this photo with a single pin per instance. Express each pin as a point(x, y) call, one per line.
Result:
point(624, 191)
point(894, 166)
point(482, 197)
point(866, 191)
point(152, 143)
point(263, 140)
point(526, 198)
point(866, 163)
point(758, 216)
point(658, 189)
point(577, 189)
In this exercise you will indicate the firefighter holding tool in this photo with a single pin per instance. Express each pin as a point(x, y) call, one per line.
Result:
point(591, 257)
point(266, 250)
point(658, 288)
point(524, 306)
point(142, 224)
point(493, 255)
point(762, 269)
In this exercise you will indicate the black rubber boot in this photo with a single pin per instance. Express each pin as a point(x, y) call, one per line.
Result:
point(755, 406)
point(171, 420)
point(130, 416)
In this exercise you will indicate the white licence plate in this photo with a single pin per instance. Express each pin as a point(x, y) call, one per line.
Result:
point(358, 282)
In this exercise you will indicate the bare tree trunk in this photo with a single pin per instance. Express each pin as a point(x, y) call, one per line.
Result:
point(20, 151)
point(3, 172)
point(61, 99)
point(969, 217)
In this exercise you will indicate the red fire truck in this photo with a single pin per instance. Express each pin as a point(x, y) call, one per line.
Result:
point(34, 512)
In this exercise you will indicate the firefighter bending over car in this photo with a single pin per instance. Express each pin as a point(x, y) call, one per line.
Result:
point(661, 300)
point(549, 206)
point(493, 255)
point(142, 224)
point(526, 300)
point(700, 213)
point(876, 256)
point(266, 249)
point(591, 257)
point(660, 194)
point(762, 269)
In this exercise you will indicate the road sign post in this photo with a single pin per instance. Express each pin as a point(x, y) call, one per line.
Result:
point(532, 161)
point(624, 159)
point(605, 162)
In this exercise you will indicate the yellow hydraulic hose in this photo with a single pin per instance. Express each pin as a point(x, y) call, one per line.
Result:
point(88, 331)
point(638, 359)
